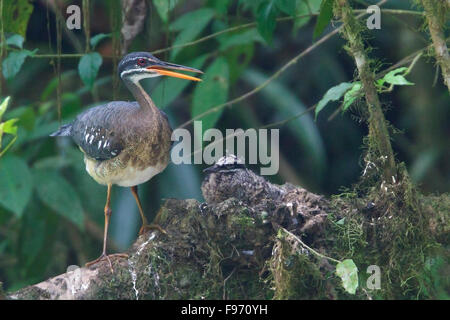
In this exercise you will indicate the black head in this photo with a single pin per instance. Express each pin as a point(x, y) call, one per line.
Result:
point(139, 65)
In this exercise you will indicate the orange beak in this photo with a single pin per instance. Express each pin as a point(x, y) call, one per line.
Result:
point(162, 70)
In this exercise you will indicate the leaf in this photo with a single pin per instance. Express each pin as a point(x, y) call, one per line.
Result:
point(325, 15)
point(287, 6)
point(211, 92)
point(16, 184)
point(239, 39)
point(351, 95)
point(15, 40)
point(3, 106)
point(267, 14)
point(59, 195)
point(14, 61)
point(16, 15)
point(191, 25)
point(393, 77)
point(95, 40)
point(164, 7)
point(168, 89)
point(305, 7)
point(9, 126)
point(238, 58)
point(88, 68)
point(333, 94)
point(348, 272)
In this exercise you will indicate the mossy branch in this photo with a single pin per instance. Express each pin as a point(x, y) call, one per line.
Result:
point(436, 13)
point(378, 132)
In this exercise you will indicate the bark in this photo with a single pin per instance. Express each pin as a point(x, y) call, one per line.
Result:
point(436, 14)
point(209, 247)
point(378, 132)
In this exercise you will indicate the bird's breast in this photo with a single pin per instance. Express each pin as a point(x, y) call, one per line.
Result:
point(113, 172)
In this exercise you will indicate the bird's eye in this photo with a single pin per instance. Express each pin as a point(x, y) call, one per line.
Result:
point(141, 62)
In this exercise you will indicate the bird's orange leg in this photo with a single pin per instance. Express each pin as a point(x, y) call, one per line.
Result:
point(145, 225)
point(104, 256)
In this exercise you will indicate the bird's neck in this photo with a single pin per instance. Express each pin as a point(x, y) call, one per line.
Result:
point(145, 102)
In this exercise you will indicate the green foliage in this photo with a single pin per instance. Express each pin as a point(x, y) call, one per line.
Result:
point(58, 194)
point(267, 14)
point(333, 94)
point(304, 7)
point(325, 15)
point(16, 184)
point(396, 77)
point(16, 15)
point(351, 95)
point(95, 40)
point(14, 61)
point(348, 272)
point(88, 68)
point(15, 40)
point(164, 7)
point(8, 127)
point(169, 88)
point(190, 26)
point(287, 6)
point(211, 92)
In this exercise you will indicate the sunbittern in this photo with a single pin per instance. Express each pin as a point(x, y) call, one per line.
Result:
point(126, 143)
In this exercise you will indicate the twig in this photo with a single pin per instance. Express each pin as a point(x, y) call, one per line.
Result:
point(308, 247)
point(271, 78)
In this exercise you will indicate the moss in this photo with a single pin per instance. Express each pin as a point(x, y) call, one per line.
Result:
point(296, 275)
point(386, 225)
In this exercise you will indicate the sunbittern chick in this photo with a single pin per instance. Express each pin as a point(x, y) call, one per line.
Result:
point(126, 143)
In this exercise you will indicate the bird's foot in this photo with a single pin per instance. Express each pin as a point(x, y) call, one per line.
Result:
point(107, 257)
point(147, 227)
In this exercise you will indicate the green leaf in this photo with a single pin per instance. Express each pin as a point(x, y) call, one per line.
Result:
point(348, 272)
point(267, 14)
point(16, 15)
point(393, 77)
point(239, 39)
point(305, 7)
point(59, 195)
point(88, 68)
point(16, 184)
point(9, 126)
point(287, 6)
point(211, 92)
point(164, 7)
point(325, 15)
point(168, 89)
point(333, 94)
point(14, 61)
point(191, 25)
point(95, 40)
point(15, 40)
point(238, 58)
point(351, 95)
point(3, 106)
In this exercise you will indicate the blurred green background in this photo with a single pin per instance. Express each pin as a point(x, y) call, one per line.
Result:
point(51, 211)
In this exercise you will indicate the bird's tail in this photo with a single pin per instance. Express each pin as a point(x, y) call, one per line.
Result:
point(64, 131)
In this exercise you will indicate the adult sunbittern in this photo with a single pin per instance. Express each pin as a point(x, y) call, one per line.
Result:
point(126, 143)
